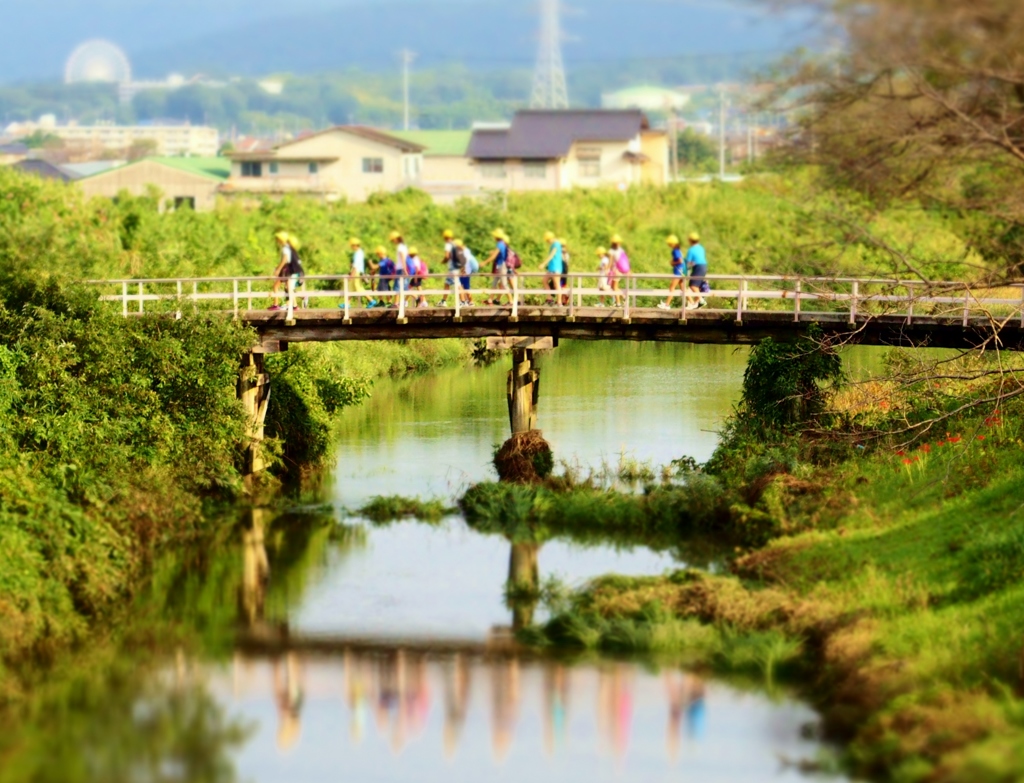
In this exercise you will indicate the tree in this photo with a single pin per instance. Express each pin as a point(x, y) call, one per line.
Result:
point(696, 151)
point(926, 102)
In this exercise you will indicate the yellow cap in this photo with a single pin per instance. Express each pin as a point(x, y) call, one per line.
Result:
point(354, 242)
point(498, 233)
point(458, 243)
point(673, 240)
point(616, 239)
point(414, 251)
point(282, 237)
point(394, 236)
point(549, 237)
point(602, 251)
point(695, 237)
point(294, 242)
point(381, 251)
point(448, 233)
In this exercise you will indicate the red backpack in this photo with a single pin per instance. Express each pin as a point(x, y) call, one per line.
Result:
point(514, 261)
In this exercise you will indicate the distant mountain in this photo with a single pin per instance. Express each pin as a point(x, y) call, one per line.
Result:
point(255, 37)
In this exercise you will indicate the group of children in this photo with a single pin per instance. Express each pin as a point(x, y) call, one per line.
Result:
point(387, 278)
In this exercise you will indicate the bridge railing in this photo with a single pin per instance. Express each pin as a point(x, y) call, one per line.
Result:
point(806, 298)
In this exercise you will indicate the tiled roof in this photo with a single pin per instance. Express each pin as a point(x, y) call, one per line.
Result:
point(45, 169)
point(371, 134)
point(548, 135)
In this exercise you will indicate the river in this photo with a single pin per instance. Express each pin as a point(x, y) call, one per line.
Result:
point(317, 646)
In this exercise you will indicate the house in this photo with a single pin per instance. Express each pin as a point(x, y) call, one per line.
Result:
point(45, 169)
point(447, 173)
point(563, 149)
point(346, 162)
point(12, 153)
point(189, 182)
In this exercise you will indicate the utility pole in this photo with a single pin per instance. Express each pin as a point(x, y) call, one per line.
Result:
point(721, 132)
point(549, 85)
point(407, 58)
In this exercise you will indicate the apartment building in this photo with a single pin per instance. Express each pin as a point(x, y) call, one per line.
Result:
point(168, 140)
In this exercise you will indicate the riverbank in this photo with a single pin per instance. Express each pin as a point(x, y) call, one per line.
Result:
point(890, 583)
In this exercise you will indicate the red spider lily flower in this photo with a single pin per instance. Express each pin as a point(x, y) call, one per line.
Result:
point(981, 437)
point(917, 459)
point(908, 462)
point(926, 448)
point(940, 444)
point(955, 439)
point(901, 453)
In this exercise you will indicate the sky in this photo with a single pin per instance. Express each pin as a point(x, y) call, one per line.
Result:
point(161, 36)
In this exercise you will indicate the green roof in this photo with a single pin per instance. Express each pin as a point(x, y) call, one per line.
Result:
point(215, 168)
point(438, 142)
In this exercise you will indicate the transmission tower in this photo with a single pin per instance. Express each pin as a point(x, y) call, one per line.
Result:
point(549, 90)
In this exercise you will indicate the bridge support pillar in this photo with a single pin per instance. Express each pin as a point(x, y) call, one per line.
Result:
point(523, 583)
point(254, 393)
point(523, 392)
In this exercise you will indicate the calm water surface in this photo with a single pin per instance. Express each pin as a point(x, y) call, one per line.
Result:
point(398, 667)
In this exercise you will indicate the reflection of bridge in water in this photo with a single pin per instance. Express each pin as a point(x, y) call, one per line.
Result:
point(396, 684)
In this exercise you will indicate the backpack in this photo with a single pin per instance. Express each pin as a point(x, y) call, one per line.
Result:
point(423, 269)
point(295, 263)
point(622, 263)
point(514, 261)
point(458, 258)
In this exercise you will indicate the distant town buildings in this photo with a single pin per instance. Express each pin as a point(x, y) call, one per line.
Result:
point(86, 141)
point(648, 98)
point(191, 183)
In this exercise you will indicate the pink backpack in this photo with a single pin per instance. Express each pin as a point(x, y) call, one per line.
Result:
point(622, 263)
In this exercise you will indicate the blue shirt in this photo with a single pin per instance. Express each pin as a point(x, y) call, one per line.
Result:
point(696, 256)
point(557, 260)
point(677, 261)
point(502, 253)
point(387, 267)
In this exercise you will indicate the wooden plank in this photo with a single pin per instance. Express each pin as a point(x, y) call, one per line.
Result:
point(521, 343)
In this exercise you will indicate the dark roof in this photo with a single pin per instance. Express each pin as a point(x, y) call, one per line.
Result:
point(549, 134)
point(44, 169)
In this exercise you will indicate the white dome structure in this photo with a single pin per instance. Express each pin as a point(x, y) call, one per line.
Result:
point(98, 61)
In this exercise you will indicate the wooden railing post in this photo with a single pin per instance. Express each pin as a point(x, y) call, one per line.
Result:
point(457, 289)
point(177, 311)
point(234, 297)
point(513, 283)
point(683, 296)
point(625, 312)
point(290, 317)
point(967, 307)
point(572, 298)
point(401, 300)
point(853, 302)
point(195, 295)
point(348, 314)
point(1022, 307)
point(248, 292)
point(124, 299)
point(796, 303)
point(741, 300)
point(141, 308)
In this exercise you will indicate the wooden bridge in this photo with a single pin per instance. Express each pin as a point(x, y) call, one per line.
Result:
point(739, 310)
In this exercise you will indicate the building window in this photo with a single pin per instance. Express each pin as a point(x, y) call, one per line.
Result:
point(273, 167)
point(589, 159)
point(373, 165)
point(492, 170)
point(185, 202)
point(252, 168)
point(314, 168)
point(535, 169)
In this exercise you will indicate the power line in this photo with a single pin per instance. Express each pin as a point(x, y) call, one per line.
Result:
point(549, 87)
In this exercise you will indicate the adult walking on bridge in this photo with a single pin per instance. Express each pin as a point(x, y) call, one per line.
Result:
point(697, 263)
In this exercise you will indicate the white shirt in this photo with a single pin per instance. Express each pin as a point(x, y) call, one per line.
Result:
point(359, 261)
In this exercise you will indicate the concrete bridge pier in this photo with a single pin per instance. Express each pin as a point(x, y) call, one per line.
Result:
point(254, 393)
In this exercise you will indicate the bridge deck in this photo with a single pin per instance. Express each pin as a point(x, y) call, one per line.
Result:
point(643, 324)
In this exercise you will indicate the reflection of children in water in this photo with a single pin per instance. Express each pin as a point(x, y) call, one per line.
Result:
point(357, 694)
point(556, 706)
point(456, 702)
point(403, 697)
point(288, 697)
point(504, 705)
point(615, 706)
point(685, 698)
